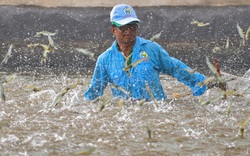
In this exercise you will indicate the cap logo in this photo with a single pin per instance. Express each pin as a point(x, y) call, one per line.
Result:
point(127, 10)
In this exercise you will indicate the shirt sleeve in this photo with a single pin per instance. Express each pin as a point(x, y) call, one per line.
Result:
point(177, 69)
point(98, 83)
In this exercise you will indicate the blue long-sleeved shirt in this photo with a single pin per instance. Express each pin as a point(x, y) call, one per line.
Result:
point(110, 64)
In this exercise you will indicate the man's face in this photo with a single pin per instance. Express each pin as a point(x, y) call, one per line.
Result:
point(125, 34)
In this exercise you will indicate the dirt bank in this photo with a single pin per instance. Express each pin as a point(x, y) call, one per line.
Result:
point(110, 3)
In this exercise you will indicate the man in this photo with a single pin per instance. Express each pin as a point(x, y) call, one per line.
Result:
point(115, 66)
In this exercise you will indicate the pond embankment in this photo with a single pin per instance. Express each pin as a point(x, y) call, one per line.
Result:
point(89, 27)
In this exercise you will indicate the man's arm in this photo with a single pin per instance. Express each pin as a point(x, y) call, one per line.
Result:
point(98, 83)
point(179, 70)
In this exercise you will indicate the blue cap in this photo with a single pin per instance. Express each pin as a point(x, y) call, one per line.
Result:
point(123, 14)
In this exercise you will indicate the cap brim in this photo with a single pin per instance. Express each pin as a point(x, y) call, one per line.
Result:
point(125, 21)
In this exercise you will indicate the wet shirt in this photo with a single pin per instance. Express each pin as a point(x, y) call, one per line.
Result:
point(110, 64)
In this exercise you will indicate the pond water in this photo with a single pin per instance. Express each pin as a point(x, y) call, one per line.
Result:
point(178, 126)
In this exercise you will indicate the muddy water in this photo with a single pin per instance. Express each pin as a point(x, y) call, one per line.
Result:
point(179, 126)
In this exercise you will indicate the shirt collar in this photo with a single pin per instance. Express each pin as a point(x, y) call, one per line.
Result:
point(139, 41)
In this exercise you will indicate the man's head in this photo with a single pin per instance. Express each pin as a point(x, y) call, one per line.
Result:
point(124, 23)
point(123, 14)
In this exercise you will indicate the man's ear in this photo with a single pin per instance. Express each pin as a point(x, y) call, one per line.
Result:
point(112, 29)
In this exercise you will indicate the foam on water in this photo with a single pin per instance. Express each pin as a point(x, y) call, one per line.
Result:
point(178, 126)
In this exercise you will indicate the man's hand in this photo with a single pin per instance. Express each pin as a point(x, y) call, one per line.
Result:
point(221, 85)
